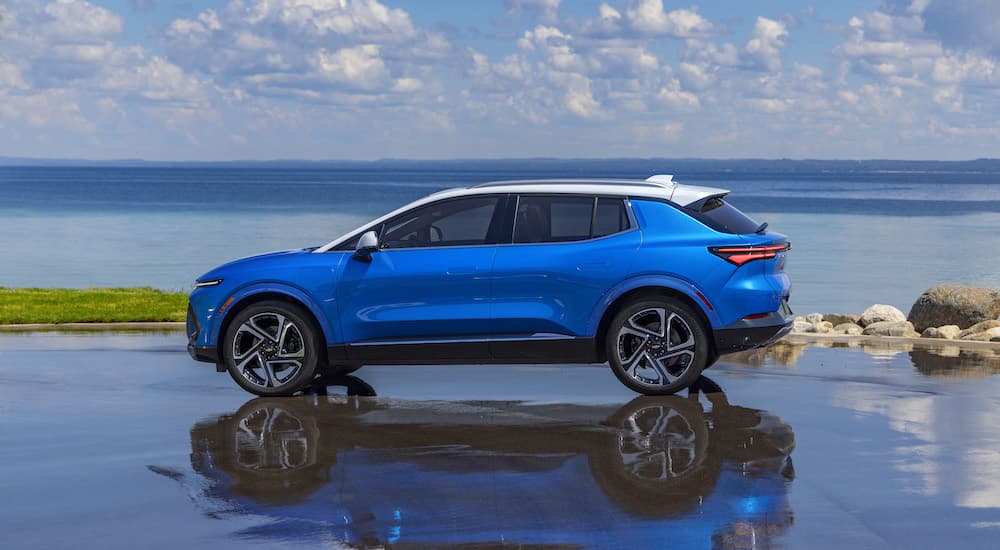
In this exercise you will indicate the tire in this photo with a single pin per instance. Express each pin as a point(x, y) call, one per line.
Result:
point(651, 360)
point(272, 348)
point(656, 462)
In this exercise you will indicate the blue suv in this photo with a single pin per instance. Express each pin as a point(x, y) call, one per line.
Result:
point(654, 277)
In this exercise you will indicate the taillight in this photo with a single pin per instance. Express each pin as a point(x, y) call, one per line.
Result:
point(742, 254)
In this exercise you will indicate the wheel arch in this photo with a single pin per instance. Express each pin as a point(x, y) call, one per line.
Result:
point(652, 288)
point(248, 296)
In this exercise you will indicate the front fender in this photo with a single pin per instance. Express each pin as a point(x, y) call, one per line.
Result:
point(297, 294)
point(650, 280)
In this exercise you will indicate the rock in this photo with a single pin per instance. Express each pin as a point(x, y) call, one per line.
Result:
point(947, 332)
point(994, 332)
point(978, 337)
point(890, 328)
point(814, 318)
point(848, 328)
point(951, 304)
point(981, 326)
point(821, 327)
point(841, 318)
point(880, 313)
point(801, 326)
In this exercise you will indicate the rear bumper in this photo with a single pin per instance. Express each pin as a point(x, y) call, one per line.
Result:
point(754, 333)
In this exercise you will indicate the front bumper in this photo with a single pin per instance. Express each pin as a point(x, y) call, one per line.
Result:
point(208, 354)
point(754, 333)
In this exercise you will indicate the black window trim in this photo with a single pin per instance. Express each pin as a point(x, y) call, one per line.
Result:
point(633, 224)
point(493, 236)
point(507, 209)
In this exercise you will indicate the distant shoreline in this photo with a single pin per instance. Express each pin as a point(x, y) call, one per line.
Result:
point(735, 165)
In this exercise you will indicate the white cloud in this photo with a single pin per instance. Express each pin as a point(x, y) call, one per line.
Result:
point(359, 66)
point(247, 70)
point(764, 47)
point(807, 72)
point(696, 76)
point(79, 22)
point(678, 99)
point(321, 50)
point(648, 16)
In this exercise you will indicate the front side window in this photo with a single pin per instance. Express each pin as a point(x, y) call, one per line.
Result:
point(567, 218)
point(460, 222)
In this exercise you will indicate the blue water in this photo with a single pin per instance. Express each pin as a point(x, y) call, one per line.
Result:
point(861, 233)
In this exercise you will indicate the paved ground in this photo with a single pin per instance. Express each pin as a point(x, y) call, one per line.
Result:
point(121, 441)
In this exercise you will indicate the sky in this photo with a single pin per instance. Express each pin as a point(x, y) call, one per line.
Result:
point(438, 79)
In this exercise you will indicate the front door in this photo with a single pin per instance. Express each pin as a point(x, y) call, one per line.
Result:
point(424, 296)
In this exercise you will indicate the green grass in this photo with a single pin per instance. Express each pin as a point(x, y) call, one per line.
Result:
point(90, 305)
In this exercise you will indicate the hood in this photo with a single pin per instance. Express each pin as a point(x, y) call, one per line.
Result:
point(259, 260)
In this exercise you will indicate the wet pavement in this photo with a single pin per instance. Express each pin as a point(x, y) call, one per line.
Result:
point(120, 440)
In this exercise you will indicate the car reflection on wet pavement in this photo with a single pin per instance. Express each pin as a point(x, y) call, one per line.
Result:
point(371, 471)
point(119, 440)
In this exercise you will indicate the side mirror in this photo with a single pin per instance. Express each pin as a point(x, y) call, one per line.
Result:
point(367, 244)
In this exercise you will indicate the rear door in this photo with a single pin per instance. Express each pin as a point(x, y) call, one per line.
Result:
point(566, 252)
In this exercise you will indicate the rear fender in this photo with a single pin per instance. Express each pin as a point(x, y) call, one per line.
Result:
point(661, 281)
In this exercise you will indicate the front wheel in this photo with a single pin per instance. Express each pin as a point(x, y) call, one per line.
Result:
point(657, 346)
point(272, 349)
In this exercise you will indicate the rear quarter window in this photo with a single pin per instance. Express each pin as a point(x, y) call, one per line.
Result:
point(722, 216)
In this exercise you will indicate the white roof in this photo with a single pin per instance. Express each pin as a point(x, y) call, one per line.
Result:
point(656, 187)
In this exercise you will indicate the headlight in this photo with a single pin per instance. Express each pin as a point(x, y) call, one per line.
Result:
point(210, 282)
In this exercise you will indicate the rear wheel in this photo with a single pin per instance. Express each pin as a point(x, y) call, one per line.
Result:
point(272, 348)
point(657, 346)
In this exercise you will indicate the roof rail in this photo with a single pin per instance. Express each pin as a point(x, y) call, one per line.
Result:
point(665, 179)
point(580, 181)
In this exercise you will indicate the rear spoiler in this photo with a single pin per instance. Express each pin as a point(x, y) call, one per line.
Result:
point(688, 196)
point(698, 204)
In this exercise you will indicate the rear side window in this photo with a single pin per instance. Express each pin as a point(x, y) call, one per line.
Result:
point(610, 217)
point(542, 219)
point(723, 217)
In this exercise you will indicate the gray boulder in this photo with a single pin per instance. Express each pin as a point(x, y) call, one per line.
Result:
point(879, 313)
point(821, 327)
point(801, 326)
point(841, 318)
point(951, 304)
point(814, 318)
point(979, 327)
point(947, 332)
point(890, 328)
point(850, 329)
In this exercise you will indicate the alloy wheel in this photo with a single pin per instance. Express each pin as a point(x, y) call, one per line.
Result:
point(268, 350)
point(655, 347)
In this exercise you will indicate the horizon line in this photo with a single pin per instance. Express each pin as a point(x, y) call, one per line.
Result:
point(27, 161)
